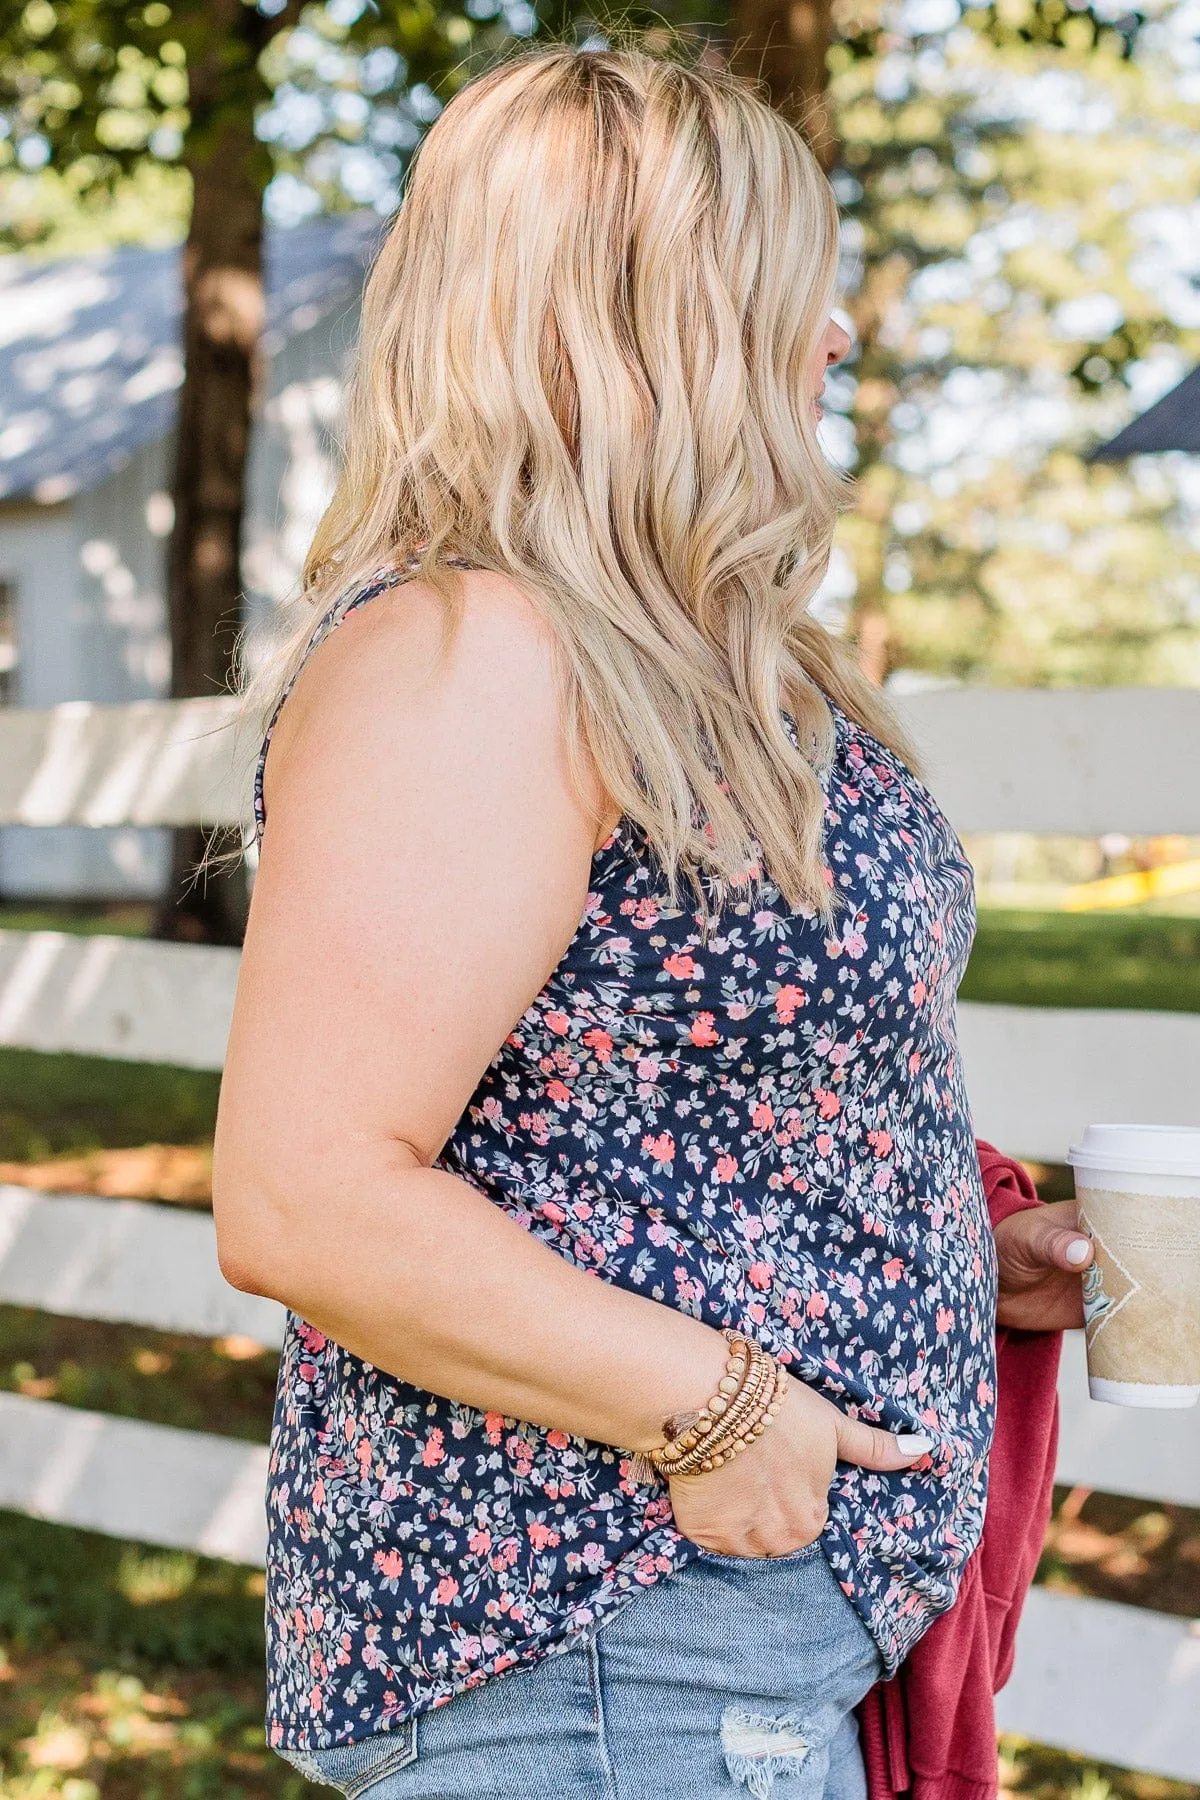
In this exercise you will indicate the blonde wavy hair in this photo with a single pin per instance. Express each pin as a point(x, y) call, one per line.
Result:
point(584, 363)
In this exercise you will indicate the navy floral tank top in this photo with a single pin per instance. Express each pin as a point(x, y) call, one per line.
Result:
point(766, 1128)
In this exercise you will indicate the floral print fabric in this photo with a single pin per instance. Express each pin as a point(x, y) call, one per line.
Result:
point(765, 1127)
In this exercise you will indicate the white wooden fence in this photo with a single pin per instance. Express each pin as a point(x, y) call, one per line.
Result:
point(1114, 1682)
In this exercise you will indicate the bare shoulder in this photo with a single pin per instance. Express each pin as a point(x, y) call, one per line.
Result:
point(409, 702)
point(396, 646)
point(392, 667)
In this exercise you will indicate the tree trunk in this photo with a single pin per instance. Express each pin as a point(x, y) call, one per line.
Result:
point(223, 314)
point(782, 44)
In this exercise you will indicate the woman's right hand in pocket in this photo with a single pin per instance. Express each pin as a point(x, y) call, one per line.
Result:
point(773, 1498)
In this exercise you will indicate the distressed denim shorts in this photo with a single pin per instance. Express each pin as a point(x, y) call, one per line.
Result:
point(734, 1677)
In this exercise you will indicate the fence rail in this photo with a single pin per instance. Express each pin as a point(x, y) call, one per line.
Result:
point(116, 997)
point(1110, 1681)
point(1036, 1074)
point(125, 1261)
point(1118, 1683)
point(138, 1263)
point(1075, 762)
point(188, 1490)
point(1060, 762)
point(155, 762)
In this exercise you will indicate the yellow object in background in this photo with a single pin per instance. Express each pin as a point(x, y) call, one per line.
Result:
point(1131, 890)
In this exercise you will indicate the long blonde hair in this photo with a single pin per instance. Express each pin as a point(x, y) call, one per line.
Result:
point(584, 363)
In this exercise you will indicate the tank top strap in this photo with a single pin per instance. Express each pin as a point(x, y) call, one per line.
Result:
point(341, 609)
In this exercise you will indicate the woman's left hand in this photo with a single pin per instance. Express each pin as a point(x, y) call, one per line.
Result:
point(1042, 1255)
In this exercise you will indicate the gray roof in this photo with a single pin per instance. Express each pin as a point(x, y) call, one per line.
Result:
point(1172, 423)
point(89, 346)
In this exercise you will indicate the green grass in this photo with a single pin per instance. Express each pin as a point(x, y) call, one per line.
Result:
point(135, 1674)
point(52, 1105)
point(62, 1586)
point(1037, 1773)
point(1086, 959)
point(128, 1673)
point(73, 1728)
point(83, 917)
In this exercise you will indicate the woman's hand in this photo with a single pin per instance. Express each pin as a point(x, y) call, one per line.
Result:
point(774, 1497)
point(1042, 1255)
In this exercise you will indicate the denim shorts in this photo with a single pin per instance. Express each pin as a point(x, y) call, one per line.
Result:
point(733, 1676)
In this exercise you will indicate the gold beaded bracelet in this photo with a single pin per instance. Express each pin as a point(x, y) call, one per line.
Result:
point(738, 1426)
point(737, 1429)
point(748, 1398)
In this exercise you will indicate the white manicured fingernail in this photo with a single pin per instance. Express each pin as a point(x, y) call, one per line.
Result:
point(913, 1443)
point(1078, 1251)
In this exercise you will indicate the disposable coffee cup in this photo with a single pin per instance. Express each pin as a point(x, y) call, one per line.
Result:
point(1138, 1188)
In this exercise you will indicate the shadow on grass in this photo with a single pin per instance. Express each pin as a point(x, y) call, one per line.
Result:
point(59, 1585)
point(225, 1385)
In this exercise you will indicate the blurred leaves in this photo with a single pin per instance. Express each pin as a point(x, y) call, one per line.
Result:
point(1022, 240)
point(1022, 252)
point(97, 126)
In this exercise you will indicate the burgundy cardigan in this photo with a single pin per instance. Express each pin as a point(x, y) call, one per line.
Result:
point(930, 1732)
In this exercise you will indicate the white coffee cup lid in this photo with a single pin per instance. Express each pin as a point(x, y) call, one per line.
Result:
point(1155, 1149)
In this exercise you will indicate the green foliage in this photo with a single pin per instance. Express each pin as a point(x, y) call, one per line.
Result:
point(354, 88)
point(1094, 959)
point(103, 83)
point(1010, 185)
point(45, 212)
point(1007, 183)
point(97, 127)
point(91, 92)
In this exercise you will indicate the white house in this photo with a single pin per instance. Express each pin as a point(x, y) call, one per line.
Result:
point(89, 368)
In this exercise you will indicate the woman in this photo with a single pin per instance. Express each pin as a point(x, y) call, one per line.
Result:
point(598, 1001)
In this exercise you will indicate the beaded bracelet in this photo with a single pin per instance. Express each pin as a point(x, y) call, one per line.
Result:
point(738, 1426)
point(762, 1400)
point(748, 1398)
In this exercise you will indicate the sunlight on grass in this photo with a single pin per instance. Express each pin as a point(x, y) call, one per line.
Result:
point(87, 1734)
point(226, 1385)
point(118, 1719)
point(147, 1578)
point(1117, 1548)
point(61, 1587)
point(43, 1784)
point(1092, 1786)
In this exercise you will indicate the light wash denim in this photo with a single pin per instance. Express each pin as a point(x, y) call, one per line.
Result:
point(734, 1677)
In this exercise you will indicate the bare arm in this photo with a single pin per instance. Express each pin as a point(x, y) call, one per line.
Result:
point(425, 865)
